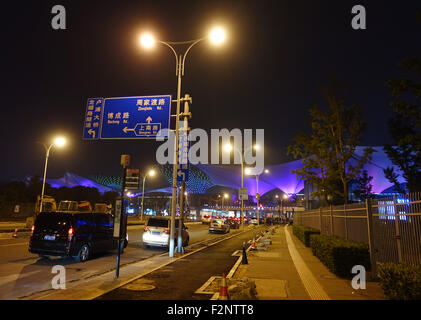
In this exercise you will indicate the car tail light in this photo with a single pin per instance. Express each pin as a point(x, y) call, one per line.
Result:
point(167, 231)
point(146, 230)
point(70, 235)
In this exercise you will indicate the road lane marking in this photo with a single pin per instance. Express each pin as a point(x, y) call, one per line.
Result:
point(313, 287)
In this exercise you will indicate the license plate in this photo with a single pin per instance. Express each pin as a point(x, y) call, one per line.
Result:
point(156, 233)
point(50, 238)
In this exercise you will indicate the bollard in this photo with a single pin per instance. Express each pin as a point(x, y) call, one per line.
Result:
point(244, 261)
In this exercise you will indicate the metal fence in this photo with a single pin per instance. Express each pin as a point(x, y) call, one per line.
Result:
point(391, 226)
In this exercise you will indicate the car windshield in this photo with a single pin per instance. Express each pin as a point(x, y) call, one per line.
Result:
point(161, 223)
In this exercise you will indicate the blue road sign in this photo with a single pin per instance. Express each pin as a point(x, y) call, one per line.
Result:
point(183, 159)
point(135, 117)
point(92, 121)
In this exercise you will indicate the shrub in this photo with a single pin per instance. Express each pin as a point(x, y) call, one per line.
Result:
point(400, 281)
point(340, 255)
point(303, 233)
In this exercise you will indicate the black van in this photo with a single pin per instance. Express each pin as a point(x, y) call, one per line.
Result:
point(75, 234)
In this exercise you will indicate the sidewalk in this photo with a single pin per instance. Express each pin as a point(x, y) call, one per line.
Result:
point(287, 270)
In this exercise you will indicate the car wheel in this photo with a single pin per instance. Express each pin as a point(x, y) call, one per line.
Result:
point(145, 246)
point(83, 253)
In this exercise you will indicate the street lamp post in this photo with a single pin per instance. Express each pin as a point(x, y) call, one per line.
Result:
point(58, 142)
point(285, 196)
point(257, 193)
point(147, 40)
point(228, 148)
point(151, 173)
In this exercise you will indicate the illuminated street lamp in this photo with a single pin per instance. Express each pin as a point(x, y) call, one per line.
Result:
point(248, 171)
point(216, 36)
point(150, 173)
point(284, 197)
point(59, 142)
point(228, 148)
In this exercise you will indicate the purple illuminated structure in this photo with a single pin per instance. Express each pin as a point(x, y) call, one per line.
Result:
point(279, 177)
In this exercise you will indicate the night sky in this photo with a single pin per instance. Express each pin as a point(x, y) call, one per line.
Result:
point(267, 75)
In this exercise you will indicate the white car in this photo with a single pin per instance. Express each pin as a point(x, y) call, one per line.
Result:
point(157, 232)
point(219, 225)
point(206, 219)
point(254, 221)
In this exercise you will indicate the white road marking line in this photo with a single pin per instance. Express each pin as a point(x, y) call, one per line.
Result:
point(313, 287)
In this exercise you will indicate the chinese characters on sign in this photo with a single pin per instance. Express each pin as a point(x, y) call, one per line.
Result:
point(127, 117)
point(135, 117)
point(92, 121)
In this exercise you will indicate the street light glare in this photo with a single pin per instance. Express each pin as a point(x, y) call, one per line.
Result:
point(151, 173)
point(228, 147)
point(59, 142)
point(226, 195)
point(217, 36)
point(256, 147)
point(247, 171)
point(285, 196)
point(147, 40)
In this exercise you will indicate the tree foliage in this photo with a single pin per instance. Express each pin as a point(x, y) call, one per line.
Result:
point(364, 186)
point(328, 152)
point(405, 128)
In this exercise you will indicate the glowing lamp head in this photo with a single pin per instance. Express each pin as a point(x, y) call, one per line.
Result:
point(147, 40)
point(226, 195)
point(285, 196)
point(151, 173)
point(247, 171)
point(59, 142)
point(217, 36)
point(266, 171)
point(228, 147)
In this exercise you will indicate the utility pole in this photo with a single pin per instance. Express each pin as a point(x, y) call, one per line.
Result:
point(185, 130)
point(125, 161)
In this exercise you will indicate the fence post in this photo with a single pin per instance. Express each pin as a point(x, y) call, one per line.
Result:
point(320, 220)
point(397, 233)
point(370, 233)
point(346, 225)
point(331, 220)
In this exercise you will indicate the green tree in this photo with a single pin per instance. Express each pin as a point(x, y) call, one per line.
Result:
point(405, 128)
point(364, 186)
point(328, 153)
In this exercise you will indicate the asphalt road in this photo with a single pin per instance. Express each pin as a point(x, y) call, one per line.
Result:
point(180, 280)
point(23, 273)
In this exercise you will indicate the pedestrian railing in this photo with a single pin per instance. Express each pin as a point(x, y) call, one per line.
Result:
point(391, 226)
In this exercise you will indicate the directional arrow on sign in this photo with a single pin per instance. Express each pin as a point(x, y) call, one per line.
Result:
point(92, 132)
point(125, 129)
point(148, 120)
point(181, 173)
